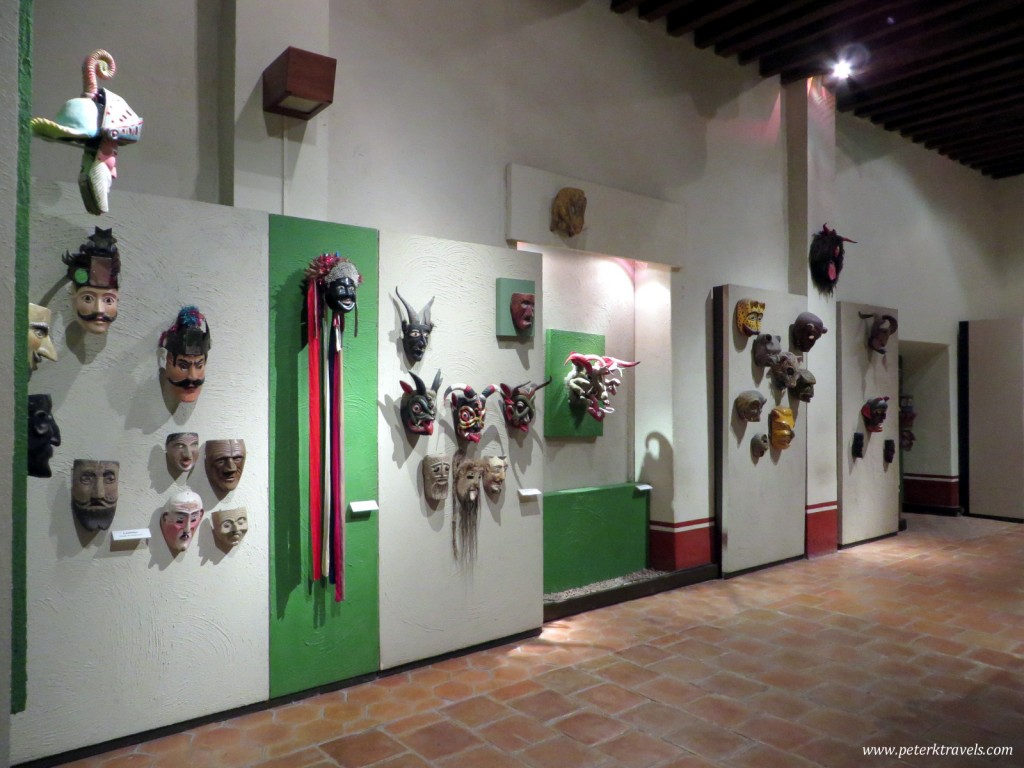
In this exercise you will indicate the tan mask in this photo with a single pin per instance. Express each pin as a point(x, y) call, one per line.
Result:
point(225, 460)
point(182, 452)
point(230, 527)
point(40, 345)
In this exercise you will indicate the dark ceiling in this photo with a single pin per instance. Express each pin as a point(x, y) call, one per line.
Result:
point(946, 74)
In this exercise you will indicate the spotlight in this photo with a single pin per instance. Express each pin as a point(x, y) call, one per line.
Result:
point(842, 70)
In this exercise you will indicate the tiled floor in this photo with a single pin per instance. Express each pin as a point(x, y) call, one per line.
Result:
point(911, 641)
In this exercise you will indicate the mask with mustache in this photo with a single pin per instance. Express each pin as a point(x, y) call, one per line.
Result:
point(94, 493)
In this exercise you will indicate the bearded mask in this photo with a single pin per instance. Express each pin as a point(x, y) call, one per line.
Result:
point(781, 423)
point(418, 409)
point(225, 461)
point(874, 412)
point(766, 349)
point(436, 469)
point(749, 313)
point(807, 329)
point(749, 405)
point(43, 435)
point(468, 474)
point(94, 493)
point(568, 211)
point(803, 389)
point(882, 327)
point(94, 272)
point(180, 519)
point(785, 370)
point(230, 527)
point(40, 344)
point(182, 450)
point(183, 352)
point(416, 332)
point(469, 410)
point(826, 258)
point(494, 474)
point(520, 407)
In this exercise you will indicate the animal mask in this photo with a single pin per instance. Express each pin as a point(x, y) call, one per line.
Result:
point(781, 423)
point(568, 210)
point(826, 258)
point(803, 389)
point(759, 445)
point(766, 349)
point(806, 329)
point(749, 313)
point(418, 408)
point(785, 370)
point(593, 380)
point(520, 406)
point(882, 327)
point(749, 405)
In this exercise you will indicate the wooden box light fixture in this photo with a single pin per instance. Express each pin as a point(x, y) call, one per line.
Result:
point(299, 83)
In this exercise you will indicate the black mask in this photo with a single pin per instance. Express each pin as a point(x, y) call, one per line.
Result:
point(43, 435)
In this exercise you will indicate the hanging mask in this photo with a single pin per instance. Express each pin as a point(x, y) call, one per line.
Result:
point(94, 271)
point(182, 354)
point(43, 435)
point(785, 369)
point(182, 450)
point(882, 328)
point(781, 423)
point(94, 493)
point(468, 474)
point(494, 474)
point(806, 329)
point(749, 404)
point(803, 389)
point(826, 258)
point(568, 211)
point(907, 417)
point(230, 527)
point(40, 344)
point(225, 461)
point(858, 445)
point(889, 451)
point(181, 517)
point(592, 382)
point(766, 349)
point(418, 408)
point(520, 407)
point(874, 412)
point(469, 410)
point(749, 313)
point(415, 332)
point(759, 445)
point(436, 469)
point(521, 306)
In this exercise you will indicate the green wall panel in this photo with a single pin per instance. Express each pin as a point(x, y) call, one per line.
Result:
point(560, 420)
point(314, 640)
point(593, 534)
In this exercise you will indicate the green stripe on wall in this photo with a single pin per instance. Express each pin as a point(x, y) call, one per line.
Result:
point(313, 640)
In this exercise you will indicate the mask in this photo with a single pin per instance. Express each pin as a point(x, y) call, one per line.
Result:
point(40, 345)
point(882, 328)
point(520, 406)
point(804, 387)
point(43, 435)
point(418, 409)
point(340, 295)
point(858, 445)
point(521, 306)
point(805, 330)
point(592, 382)
point(874, 412)
point(568, 210)
point(435, 469)
point(469, 410)
point(781, 423)
point(749, 405)
point(766, 349)
point(225, 460)
point(183, 352)
point(494, 474)
point(749, 313)
point(180, 519)
point(826, 258)
point(759, 445)
point(415, 333)
point(907, 417)
point(182, 450)
point(94, 493)
point(889, 451)
point(94, 273)
point(230, 527)
point(468, 474)
point(785, 370)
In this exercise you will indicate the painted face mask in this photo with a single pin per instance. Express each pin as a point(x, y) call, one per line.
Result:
point(781, 423)
point(43, 435)
point(520, 407)
point(568, 211)
point(766, 349)
point(592, 382)
point(826, 258)
point(806, 329)
point(94, 493)
point(340, 286)
point(759, 445)
point(181, 517)
point(94, 271)
point(804, 387)
point(182, 450)
point(749, 313)
point(468, 475)
point(183, 352)
point(494, 474)
point(889, 451)
point(521, 307)
point(874, 412)
point(40, 345)
point(99, 121)
point(785, 370)
point(882, 327)
point(225, 460)
point(418, 409)
point(230, 527)
point(415, 332)
point(436, 469)
point(907, 417)
point(749, 404)
point(858, 445)
point(469, 410)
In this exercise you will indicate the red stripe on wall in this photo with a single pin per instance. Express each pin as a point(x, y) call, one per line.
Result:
point(686, 548)
point(822, 533)
point(931, 490)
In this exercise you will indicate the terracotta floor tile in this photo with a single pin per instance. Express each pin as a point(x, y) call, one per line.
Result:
point(589, 727)
point(545, 705)
point(567, 680)
point(173, 743)
point(129, 761)
point(764, 756)
point(610, 698)
point(710, 741)
point(643, 654)
point(777, 732)
point(720, 710)
point(730, 684)
point(845, 726)
point(516, 732)
point(638, 750)
point(217, 737)
point(362, 749)
point(404, 761)
point(303, 758)
point(655, 718)
point(412, 723)
point(440, 740)
point(515, 690)
point(563, 752)
point(670, 691)
point(482, 757)
point(626, 673)
point(477, 711)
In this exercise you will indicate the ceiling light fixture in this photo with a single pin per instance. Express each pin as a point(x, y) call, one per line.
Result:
point(842, 69)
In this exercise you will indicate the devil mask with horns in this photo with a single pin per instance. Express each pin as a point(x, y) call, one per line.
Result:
point(415, 332)
point(418, 408)
point(469, 409)
point(826, 258)
point(520, 407)
point(593, 380)
point(882, 327)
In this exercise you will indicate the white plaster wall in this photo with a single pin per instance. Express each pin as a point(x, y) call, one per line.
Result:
point(868, 487)
point(762, 502)
point(430, 603)
point(996, 371)
point(124, 638)
point(926, 376)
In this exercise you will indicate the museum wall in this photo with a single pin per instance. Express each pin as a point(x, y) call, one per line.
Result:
point(124, 636)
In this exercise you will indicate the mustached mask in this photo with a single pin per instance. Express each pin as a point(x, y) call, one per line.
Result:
point(469, 410)
point(94, 493)
point(183, 350)
point(43, 435)
point(882, 327)
point(94, 272)
point(520, 406)
point(826, 258)
point(415, 332)
point(418, 408)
